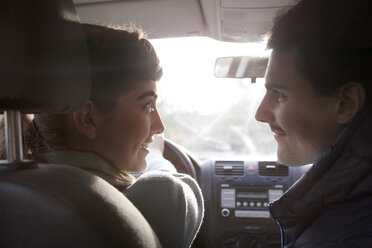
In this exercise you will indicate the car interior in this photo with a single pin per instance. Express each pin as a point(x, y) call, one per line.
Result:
point(59, 206)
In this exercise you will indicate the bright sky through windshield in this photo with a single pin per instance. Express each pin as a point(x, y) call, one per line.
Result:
point(188, 83)
point(212, 117)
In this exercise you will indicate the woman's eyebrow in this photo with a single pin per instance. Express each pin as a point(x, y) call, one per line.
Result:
point(146, 94)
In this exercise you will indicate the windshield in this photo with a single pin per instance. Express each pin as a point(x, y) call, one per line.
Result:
point(211, 117)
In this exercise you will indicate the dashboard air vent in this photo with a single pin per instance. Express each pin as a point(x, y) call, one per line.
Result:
point(229, 168)
point(272, 169)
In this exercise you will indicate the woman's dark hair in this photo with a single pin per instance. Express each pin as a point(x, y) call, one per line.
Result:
point(119, 60)
point(333, 39)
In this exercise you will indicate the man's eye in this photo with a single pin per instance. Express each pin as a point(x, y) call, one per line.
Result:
point(278, 94)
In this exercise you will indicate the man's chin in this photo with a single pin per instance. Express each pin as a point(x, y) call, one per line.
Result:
point(292, 161)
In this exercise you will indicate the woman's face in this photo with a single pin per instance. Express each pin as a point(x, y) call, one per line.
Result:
point(123, 134)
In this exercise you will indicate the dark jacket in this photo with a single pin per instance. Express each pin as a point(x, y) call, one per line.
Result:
point(331, 205)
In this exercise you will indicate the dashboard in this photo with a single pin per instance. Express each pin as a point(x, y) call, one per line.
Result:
point(237, 195)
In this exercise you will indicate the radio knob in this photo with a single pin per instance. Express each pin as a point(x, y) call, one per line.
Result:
point(225, 212)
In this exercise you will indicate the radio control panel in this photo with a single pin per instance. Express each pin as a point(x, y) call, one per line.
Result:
point(237, 196)
point(246, 202)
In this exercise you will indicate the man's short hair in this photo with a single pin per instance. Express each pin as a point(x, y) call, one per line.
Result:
point(333, 39)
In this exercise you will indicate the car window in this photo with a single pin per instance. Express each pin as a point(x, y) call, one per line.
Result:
point(211, 117)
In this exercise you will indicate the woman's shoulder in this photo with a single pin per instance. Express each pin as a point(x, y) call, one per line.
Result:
point(172, 204)
point(165, 183)
point(165, 177)
point(162, 188)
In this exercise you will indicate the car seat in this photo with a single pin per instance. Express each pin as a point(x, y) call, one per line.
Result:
point(44, 68)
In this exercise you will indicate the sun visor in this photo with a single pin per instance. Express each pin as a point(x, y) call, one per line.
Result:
point(248, 20)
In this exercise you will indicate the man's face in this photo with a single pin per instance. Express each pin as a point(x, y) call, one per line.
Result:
point(303, 122)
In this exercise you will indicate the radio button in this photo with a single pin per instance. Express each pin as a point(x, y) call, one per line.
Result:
point(228, 198)
point(238, 204)
point(245, 204)
point(274, 194)
point(251, 214)
point(225, 212)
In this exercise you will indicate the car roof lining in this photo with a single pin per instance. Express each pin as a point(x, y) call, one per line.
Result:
point(227, 20)
point(158, 18)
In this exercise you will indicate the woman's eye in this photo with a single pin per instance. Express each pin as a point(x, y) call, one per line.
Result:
point(149, 107)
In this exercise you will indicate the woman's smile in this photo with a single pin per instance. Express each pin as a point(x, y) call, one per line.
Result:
point(144, 147)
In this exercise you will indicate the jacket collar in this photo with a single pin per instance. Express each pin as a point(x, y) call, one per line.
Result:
point(343, 167)
point(90, 162)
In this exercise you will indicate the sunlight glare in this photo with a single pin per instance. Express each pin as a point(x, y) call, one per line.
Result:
point(188, 81)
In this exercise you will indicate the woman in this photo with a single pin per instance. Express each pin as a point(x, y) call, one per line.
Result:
point(110, 134)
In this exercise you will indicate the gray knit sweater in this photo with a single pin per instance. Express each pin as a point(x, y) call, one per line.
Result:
point(171, 203)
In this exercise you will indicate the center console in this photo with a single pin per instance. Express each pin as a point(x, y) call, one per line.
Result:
point(237, 195)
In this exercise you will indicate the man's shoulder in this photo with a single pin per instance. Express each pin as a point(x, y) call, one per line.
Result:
point(346, 223)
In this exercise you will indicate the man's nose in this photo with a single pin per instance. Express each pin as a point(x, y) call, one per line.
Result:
point(263, 113)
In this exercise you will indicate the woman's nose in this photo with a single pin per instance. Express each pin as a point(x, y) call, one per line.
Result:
point(157, 125)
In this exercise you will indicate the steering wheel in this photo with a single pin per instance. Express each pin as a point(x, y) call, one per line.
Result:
point(179, 158)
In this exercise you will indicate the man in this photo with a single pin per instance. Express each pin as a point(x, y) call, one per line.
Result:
point(318, 105)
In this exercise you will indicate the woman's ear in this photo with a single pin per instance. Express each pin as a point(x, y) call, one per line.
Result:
point(85, 120)
point(352, 98)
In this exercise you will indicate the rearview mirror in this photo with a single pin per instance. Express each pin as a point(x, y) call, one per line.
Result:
point(241, 67)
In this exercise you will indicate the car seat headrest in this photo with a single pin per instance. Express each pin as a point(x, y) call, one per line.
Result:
point(44, 64)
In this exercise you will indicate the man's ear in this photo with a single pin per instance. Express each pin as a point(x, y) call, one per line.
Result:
point(86, 120)
point(352, 98)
